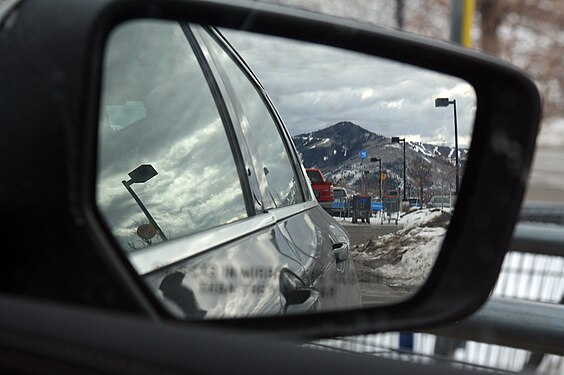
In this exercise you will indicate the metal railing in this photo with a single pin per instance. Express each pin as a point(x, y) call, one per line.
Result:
point(543, 213)
point(521, 328)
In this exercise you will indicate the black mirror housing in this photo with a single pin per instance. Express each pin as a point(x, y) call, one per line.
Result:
point(506, 124)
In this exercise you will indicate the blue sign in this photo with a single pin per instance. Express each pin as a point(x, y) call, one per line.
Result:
point(363, 154)
point(376, 206)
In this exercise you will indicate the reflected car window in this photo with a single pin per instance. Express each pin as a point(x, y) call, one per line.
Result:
point(270, 157)
point(165, 165)
point(337, 193)
point(314, 176)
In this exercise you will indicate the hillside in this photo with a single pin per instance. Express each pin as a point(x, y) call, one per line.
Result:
point(335, 150)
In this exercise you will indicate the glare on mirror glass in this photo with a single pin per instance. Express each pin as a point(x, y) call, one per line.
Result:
point(200, 185)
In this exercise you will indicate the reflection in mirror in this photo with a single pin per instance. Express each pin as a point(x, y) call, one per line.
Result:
point(200, 185)
point(394, 135)
point(159, 118)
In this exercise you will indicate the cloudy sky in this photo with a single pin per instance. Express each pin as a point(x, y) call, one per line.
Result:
point(155, 110)
point(317, 86)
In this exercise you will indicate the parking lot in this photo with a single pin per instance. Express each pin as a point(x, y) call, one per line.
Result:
point(361, 233)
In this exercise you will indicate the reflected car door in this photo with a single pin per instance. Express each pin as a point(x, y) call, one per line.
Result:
point(313, 237)
point(190, 226)
point(324, 248)
point(250, 276)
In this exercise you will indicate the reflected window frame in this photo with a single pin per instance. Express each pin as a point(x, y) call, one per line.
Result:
point(299, 173)
point(218, 102)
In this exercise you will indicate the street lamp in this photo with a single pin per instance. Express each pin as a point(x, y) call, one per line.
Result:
point(399, 140)
point(373, 160)
point(445, 102)
point(140, 175)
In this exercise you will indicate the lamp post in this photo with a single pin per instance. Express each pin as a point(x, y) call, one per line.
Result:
point(379, 160)
point(445, 102)
point(399, 140)
point(140, 175)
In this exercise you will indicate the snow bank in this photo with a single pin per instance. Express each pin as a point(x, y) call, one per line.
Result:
point(419, 218)
point(404, 258)
point(418, 259)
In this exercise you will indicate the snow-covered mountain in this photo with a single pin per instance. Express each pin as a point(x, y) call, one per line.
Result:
point(335, 150)
point(335, 145)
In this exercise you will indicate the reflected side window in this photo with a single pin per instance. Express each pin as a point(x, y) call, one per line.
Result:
point(314, 176)
point(271, 161)
point(339, 194)
point(165, 165)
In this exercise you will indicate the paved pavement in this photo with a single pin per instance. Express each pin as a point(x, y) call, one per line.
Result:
point(361, 233)
point(374, 292)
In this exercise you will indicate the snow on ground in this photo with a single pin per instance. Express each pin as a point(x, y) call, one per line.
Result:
point(404, 258)
point(418, 147)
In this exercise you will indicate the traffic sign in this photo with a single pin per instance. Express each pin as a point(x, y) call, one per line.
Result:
point(363, 154)
point(146, 231)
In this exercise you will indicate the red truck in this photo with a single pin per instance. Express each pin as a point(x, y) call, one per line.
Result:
point(323, 189)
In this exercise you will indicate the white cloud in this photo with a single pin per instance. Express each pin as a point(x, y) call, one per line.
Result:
point(316, 86)
point(396, 104)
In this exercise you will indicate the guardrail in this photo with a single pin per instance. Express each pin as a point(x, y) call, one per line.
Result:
point(538, 239)
point(521, 327)
point(525, 316)
point(543, 213)
point(533, 326)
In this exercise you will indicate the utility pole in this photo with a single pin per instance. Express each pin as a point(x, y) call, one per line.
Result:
point(140, 175)
point(400, 140)
point(379, 160)
point(445, 102)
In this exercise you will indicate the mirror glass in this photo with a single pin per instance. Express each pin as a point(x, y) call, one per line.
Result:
point(204, 139)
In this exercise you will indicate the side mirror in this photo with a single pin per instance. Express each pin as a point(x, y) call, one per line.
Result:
point(506, 116)
point(231, 208)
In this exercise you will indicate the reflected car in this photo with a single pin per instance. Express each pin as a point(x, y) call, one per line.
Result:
point(341, 202)
point(415, 203)
point(322, 189)
point(439, 201)
point(249, 238)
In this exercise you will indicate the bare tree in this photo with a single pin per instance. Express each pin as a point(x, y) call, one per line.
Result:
point(447, 174)
point(492, 13)
point(527, 33)
point(420, 173)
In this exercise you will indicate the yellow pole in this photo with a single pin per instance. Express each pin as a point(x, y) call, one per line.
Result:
point(467, 17)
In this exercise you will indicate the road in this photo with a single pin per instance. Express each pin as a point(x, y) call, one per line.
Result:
point(373, 292)
point(361, 233)
point(546, 182)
